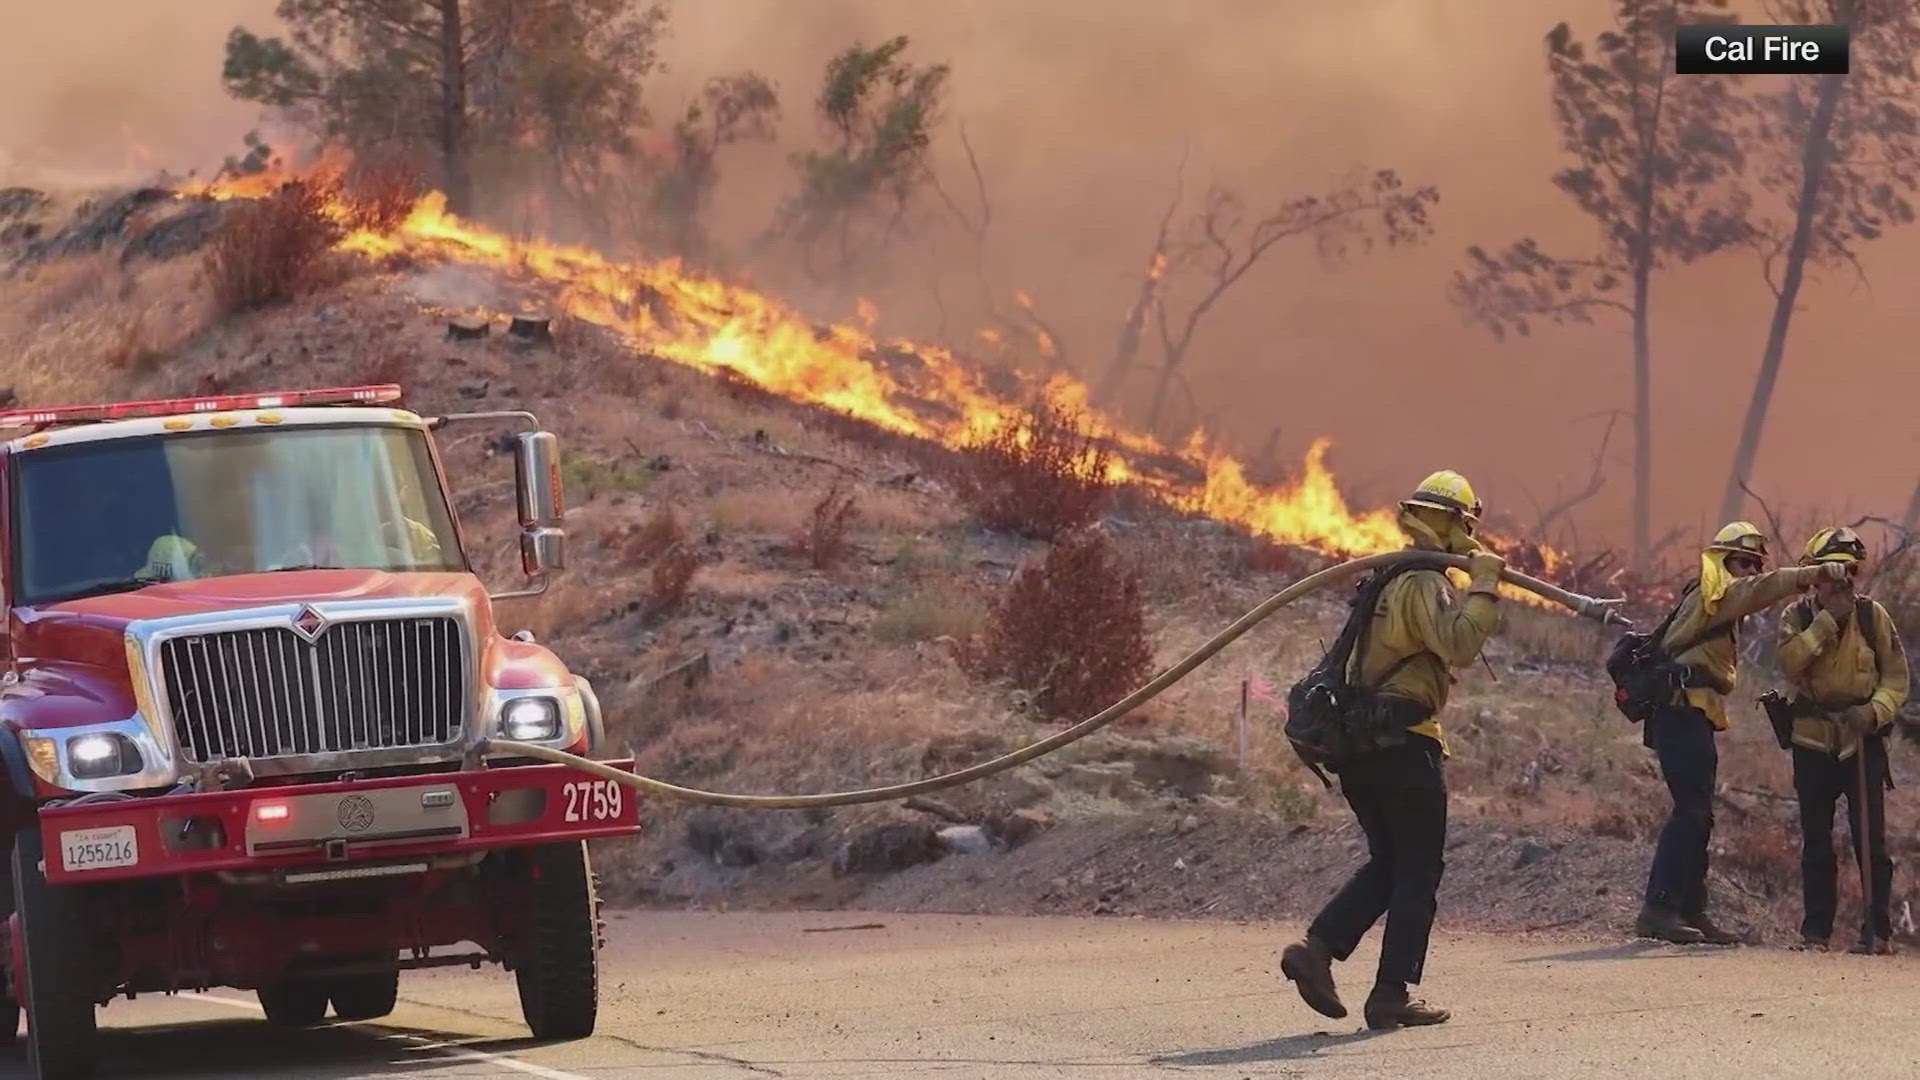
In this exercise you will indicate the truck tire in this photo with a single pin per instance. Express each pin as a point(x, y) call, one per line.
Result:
point(559, 969)
point(59, 984)
point(9, 1005)
point(366, 997)
point(294, 1003)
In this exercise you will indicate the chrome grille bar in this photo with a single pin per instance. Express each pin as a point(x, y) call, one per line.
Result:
point(379, 684)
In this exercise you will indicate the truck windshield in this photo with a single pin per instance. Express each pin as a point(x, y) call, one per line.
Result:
point(121, 514)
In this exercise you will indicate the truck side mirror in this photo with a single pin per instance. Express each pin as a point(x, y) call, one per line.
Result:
point(536, 469)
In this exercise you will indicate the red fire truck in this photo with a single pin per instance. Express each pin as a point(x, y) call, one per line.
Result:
point(249, 681)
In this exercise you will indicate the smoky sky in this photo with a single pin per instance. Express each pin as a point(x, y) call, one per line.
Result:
point(1080, 111)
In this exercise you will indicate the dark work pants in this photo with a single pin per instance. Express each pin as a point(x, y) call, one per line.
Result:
point(1682, 738)
point(1400, 799)
point(1820, 779)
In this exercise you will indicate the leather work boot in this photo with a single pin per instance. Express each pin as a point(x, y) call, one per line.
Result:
point(1811, 944)
point(1711, 933)
point(1663, 924)
point(1309, 966)
point(1393, 1010)
point(1872, 947)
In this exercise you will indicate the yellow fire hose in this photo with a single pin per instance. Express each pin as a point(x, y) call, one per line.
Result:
point(1602, 610)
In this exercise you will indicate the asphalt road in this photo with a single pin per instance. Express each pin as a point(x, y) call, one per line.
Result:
point(831, 995)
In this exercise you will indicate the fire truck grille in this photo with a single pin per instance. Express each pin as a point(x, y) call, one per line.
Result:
point(374, 685)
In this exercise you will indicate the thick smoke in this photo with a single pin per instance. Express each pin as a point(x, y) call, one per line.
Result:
point(1080, 110)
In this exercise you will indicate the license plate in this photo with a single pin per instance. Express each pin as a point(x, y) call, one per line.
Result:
point(98, 849)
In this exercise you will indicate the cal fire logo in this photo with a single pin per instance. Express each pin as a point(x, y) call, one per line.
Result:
point(356, 813)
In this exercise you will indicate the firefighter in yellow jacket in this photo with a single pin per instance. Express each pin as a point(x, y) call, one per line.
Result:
point(1703, 640)
point(1421, 628)
point(1842, 656)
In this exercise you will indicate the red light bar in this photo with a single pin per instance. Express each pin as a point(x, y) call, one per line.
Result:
point(128, 410)
point(271, 811)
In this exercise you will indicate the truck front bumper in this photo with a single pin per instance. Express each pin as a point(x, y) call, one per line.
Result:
point(334, 831)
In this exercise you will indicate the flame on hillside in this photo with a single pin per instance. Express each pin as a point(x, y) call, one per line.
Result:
point(911, 389)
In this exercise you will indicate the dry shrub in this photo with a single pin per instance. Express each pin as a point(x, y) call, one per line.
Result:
point(825, 538)
point(640, 545)
point(1040, 474)
point(667, 584)
point(270, 250)
point(1070, 632)
point(380, 195)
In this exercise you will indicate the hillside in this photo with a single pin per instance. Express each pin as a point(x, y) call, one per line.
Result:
point(742, 641)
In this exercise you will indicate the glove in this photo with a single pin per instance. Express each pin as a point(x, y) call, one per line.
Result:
point(1834, 571)
point(1484, 567)
point(1861, 720)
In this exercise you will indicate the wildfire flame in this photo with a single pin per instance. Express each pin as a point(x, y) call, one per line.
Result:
point(900, 386)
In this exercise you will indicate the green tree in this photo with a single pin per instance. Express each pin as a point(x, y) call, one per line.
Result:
point(1844, 163)
point(436, 79)
point(880, 113)
point(1652, 153)
point(729, 109)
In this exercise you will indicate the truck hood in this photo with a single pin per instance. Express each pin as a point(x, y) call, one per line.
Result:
point(90, 631)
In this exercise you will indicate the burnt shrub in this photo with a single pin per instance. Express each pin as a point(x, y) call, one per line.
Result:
point(268, 250)
point(824, 538)
point(1069, 632)
point(1039, 474)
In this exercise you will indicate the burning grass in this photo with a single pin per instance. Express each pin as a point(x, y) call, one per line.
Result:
point(1040, 474)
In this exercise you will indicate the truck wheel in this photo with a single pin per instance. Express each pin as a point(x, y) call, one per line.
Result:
point(58, 986)
point(559, 970)
point(9, 1005)
point(366, 997)
point(294, 1003)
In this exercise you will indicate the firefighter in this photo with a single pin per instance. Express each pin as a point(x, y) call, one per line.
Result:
point(1842, 656)
point(1420, 628)
point(1703, 639)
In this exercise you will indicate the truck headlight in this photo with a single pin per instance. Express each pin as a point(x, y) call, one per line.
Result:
point(530, 719)
point(102, 754)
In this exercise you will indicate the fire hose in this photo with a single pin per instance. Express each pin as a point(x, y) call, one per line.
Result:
point(1591, 607)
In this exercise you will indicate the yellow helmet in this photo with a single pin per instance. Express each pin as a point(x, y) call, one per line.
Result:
point(1446, 490)
point(1741, 538)
point(1837, 544)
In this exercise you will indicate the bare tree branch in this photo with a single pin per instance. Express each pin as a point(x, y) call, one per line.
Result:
point(1594, 483)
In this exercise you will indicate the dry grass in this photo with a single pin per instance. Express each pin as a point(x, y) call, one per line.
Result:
point(85, 329)
point(1545, 636)
point(931, 612)
point(572, 603)
point(758, 510)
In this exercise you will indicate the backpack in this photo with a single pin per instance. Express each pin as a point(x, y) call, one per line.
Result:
point(1645, 675)
point(1331, 721)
